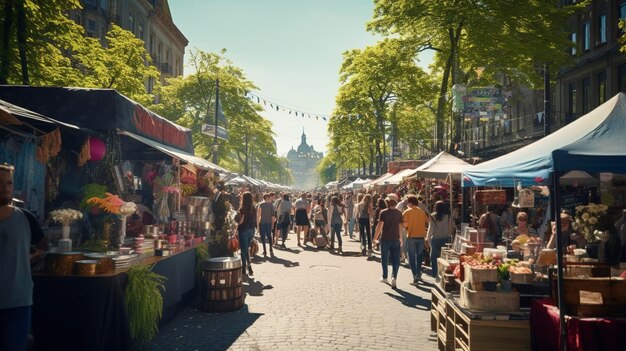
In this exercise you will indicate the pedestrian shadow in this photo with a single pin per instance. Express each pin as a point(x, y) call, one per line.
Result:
point(311, 248)
point(425, 286)
point(284, 262)
point(193, 329)
point(345, 253)
point(287, 249)
point(254, 287)
point(410, 300)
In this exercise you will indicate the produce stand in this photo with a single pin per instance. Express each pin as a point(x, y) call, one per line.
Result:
point(88, 312)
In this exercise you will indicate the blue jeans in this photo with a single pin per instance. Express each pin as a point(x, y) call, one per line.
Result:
point(364, 232)
point(416, 255)
point(265, 231)
point(14, 327)
point(245, 237)
point(390, 248)
point(351, 226)
point(435, 252)
point(335, 229)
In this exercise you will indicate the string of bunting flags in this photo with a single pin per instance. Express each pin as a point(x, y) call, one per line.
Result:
point(278, 107)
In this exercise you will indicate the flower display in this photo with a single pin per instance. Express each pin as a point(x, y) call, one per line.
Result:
point(127, 209)
point(587, 219)
point(114, 205)
point(65, 216)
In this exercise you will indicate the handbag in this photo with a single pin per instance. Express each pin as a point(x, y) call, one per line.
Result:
point(233, 243)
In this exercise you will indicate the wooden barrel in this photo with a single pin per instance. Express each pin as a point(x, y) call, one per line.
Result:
point(221, 289)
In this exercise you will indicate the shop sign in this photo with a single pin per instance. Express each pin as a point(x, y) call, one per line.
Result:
point(159, 129)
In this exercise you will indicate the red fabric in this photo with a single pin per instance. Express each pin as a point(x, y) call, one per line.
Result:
point(583, 334)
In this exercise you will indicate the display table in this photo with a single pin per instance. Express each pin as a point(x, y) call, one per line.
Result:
point(459, 330)
point(88, 312)
point(582, 333)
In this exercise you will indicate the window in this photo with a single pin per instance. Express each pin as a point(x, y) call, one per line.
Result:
point(586, 95)
point(602, 29)
point(574, 43)
point(601, 80)
point(91, 28)
point(140, 31)
point(131, 23)
point(572, 103)
point(586, 44)
point(104, 5)
point(622, 11)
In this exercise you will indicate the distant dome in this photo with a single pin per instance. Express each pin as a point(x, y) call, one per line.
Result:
point(303, 147)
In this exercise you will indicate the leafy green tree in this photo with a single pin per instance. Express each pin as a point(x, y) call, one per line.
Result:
point(510, 36)
point(190, 101)
point(41, 46)
point(373, 79)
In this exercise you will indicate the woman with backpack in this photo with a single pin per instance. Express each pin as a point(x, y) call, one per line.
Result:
point(335, 213)
point(364, 212)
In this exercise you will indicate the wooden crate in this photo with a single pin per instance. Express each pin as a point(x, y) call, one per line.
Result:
point(490, 197)
point(594, 297)
point(524, 278)
point(487, 301)
point(490, 335)
point(477, 276)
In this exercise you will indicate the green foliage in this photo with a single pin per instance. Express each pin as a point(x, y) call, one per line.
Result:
point(381, 85)
point(59, 54)
point(95, 245)
point(144, 302)
point(503, 36)
point(202, 254)
point(190, 102)
point(91, 190)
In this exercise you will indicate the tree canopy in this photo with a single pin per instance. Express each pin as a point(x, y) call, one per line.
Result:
point(190, 102)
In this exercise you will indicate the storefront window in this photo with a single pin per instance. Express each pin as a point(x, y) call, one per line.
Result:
point(601, 87)
point(586, 95)
point(586, 44)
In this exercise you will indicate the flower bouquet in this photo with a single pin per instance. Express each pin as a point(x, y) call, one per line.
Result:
point(65, 216)
point(587, 220)
point(114, 205)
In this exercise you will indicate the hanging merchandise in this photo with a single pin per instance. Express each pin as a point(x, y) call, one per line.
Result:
point(49, 146)
point(97, 149)
point(85, 153)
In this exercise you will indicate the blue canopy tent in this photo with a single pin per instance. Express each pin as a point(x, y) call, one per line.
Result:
point(596, 142)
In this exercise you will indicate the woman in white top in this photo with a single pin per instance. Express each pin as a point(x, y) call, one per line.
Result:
point(439, 233)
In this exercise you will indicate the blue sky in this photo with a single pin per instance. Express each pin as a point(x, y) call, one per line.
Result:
point(291, 49)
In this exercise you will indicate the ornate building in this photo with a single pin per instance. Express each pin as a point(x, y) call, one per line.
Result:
point(302, 163)
point(149, 20)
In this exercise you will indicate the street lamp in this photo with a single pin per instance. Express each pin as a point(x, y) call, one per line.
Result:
point(215, 147)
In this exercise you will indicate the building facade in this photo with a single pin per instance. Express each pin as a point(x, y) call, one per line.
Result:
point(599, 71)
point(149, 20)
point(302, 163)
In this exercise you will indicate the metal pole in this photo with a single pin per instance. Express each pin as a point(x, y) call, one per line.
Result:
point(556, 204)
point(217, 101)
point(546, 100)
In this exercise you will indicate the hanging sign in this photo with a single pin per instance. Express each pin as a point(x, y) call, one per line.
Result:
point(209, 129)
point(526, 198)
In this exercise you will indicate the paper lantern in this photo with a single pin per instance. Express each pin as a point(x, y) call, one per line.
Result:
point(96, 149)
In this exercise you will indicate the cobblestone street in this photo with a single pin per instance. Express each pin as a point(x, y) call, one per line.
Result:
point(305, 299)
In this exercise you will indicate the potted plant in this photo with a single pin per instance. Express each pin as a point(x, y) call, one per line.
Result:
point(587, 222)
point(144, 302)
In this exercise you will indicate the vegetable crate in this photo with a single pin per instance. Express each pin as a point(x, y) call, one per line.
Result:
point(486, 301)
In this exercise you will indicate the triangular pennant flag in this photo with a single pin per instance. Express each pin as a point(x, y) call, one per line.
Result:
point(258, 100)
point(324, 118)
point(317, 117)
point(276, 107)
point(296, 114)
point(264, 103)
point(289, 111)
point(272, 106)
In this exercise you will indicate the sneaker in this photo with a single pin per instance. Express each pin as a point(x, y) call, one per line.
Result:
point(384, 280)
point(393, 283)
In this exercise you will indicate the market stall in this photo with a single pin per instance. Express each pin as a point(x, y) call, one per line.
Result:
point(128, 192)
point(593, 143)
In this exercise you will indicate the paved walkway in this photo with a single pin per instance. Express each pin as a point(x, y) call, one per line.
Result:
point(305, 299)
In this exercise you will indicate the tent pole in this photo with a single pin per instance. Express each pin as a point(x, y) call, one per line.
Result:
point(556, 205)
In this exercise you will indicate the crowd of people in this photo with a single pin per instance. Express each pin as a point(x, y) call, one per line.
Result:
point(401, 229)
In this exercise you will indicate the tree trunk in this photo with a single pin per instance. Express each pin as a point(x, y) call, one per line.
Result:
point(21, 39)
point(5, 61)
